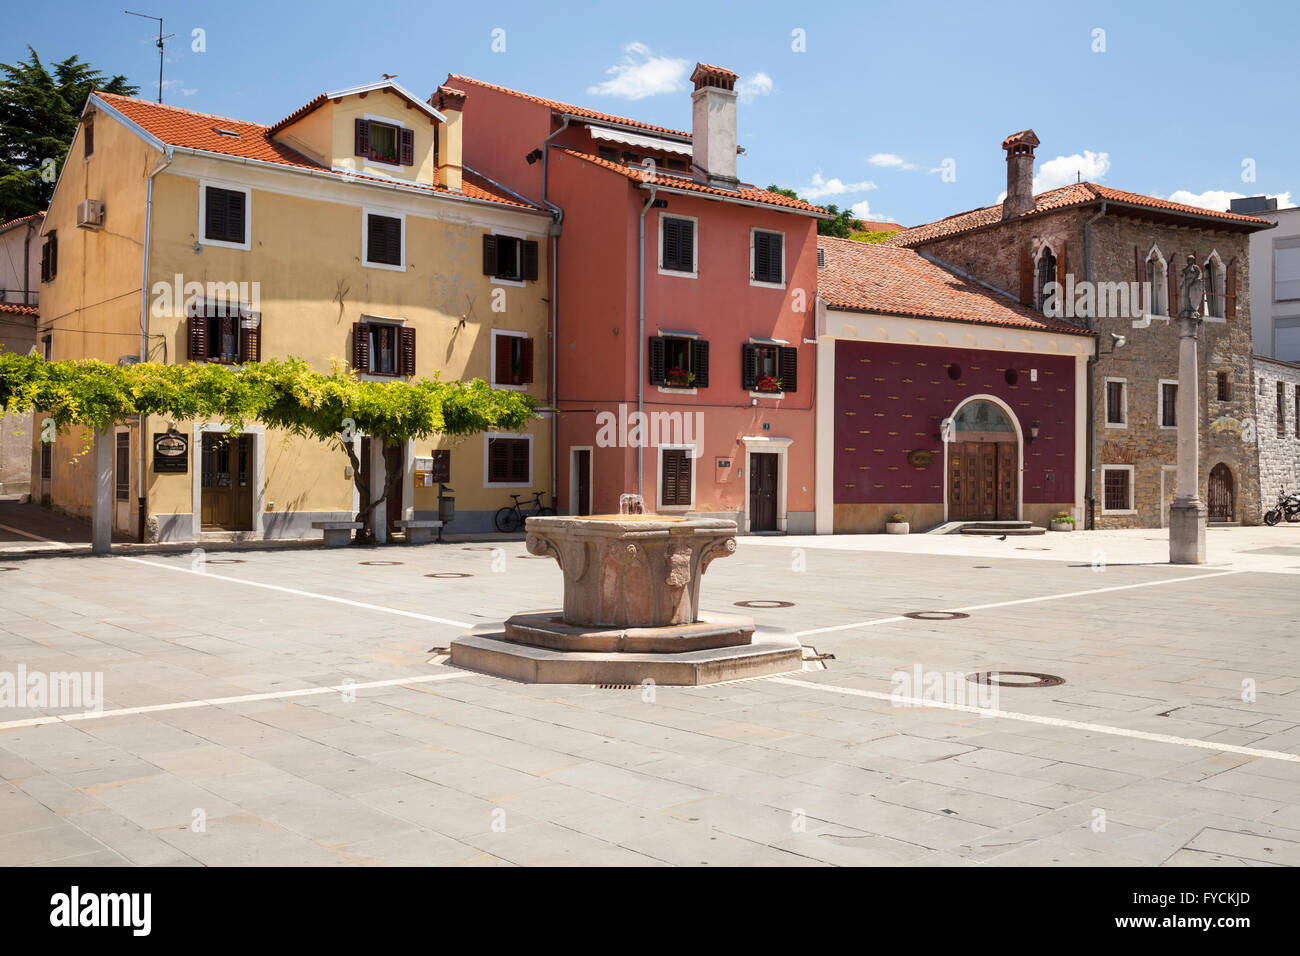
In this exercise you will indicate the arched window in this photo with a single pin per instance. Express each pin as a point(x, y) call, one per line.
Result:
point(1158, 282)
point(1046, 274)
point(982, 416)
point(1213, 275)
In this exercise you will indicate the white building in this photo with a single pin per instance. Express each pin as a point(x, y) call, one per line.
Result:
point(1275, 286)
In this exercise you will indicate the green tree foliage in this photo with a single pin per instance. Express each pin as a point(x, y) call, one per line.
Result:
point(39, 112)
point(842, 226)
point(871, 236)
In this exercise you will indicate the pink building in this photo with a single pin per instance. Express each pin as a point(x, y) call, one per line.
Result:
point(682, 302)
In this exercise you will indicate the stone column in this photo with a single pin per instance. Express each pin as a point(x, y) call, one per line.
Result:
point(101, 537)
point(1187, 512)
point(378, 478)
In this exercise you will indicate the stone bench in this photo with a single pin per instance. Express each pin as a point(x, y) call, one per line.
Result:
point(418, 532)
point(337, 533)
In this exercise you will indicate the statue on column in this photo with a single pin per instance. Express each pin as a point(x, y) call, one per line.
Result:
point(1192, 291)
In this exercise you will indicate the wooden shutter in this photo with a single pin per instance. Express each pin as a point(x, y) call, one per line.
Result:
point(360, 347)
point(54, 258)
point(198, 336)
point(676, 477)
point(363, 138)
point(1140, 273)
point(214, 225)
point(658, 362)
point(504, 372)
point(1230, 290)
point(529, 252)
point(671, 244)
point(498, 460)
point(789, 368)
point(519, 458)
point(700, 362)
point(748, 366)
point(406, 147)
point(526, 362)
point(489, 255)
point(1026, 277)
point(250, 340)
point(406, 347)
point(235, 216)
point(384, 240)
point(46, 249)
point(767, 257)
point(1171, 282)
point(686, 240)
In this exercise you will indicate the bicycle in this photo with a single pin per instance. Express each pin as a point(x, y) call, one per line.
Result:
point(511, 518)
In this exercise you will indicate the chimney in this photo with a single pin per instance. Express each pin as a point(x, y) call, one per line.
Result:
point(1020, 173)
point(713, 125)
point(450, 103)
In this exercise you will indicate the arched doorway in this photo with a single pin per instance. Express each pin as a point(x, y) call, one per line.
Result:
point(1222, 504)
point(984, 464)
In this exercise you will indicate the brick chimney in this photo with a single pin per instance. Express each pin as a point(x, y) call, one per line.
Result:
point(713, 125)
point(1020, 173)
point(451, 104)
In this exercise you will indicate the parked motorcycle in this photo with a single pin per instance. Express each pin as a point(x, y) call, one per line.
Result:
point(1287, 506)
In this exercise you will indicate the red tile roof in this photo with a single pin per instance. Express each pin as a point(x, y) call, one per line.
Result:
point(579, 111)
point(874, 277)
point(15, 223)
point(672, 180)
point(17, 308)
point(193, 130)
point(1065, 197)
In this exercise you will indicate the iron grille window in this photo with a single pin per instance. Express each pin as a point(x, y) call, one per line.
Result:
point(1225, 387)
point(1116, 489)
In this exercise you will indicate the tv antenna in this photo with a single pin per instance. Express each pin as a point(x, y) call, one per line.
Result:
point(159, 44)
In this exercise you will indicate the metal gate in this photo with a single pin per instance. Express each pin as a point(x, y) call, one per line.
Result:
point(1222, 504)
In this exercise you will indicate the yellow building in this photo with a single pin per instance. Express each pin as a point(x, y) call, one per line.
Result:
point(346, 233)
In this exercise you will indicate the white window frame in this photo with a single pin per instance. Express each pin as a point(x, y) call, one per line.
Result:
point(492, 370)
point(532, 460)
point(203, 214)
point(366, 213)
point(1160, 405)
point(1132, 490)
point(659, 476)
point(695, 250)
point(1106, 403)
point(753, 231)
point(367, 161)
point(522, 237)
point(368, 318)
point(1159, 291)
point(1284, 244)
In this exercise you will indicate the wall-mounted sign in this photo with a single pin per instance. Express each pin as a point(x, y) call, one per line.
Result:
point(920, 458)
point(171, 453)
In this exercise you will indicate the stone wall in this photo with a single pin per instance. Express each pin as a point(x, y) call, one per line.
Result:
point(1279, 456)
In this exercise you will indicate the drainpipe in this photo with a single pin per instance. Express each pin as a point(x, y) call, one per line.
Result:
point(1090, 484)
point(555, 311)
point(640, 333)
point(144, 339)
point(27, 264)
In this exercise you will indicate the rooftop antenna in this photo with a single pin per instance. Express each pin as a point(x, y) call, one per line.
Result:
point(159, 44)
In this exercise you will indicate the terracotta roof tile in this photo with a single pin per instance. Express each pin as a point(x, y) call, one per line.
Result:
point(15, 223)
point(16, 308)
point(874, 277)
point(1075, 194)
point(673, 180)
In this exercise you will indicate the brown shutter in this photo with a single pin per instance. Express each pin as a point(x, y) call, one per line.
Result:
point(1026, 277)
point(498, 460)
point(658, 361)
point(789, 368)
point(363, 138)
point(1140, 272)
point(489, 255)
point(1171, 280)
point(1230, 290)
point(198, 337)
point(526, 362)
point(530, 259)
point(360, 347)
point(407, 347)
point(748, 366)
point(519, 459)
point(406, 153)
point(504, 372)
point(700, 361)
point(250, 340)
point(686, 236)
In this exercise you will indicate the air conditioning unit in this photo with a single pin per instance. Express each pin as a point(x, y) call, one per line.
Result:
point(90, 214)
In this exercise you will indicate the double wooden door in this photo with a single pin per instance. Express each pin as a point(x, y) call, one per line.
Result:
point(226, 496)
point(1222, 503)
point(762, 492)
point(982, 481)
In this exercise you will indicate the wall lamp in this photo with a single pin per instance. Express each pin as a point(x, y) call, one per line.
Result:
point(1033, 432)
point(1116, 342)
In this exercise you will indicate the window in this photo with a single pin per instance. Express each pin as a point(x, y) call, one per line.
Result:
point(509, 257)
point(1168, 405)
point(50, 257)
point(769, 367)
point(509, 460)
point(224, 332)
point(676, 245)
point(89, 138)
point(383, 240)
point(383, 348)
point(47, 347)
point(1213, 275)
point(1158, 284)
point(821, 257)
point(1046, 275)
point(607, 152)
point(225, 215)
point(678, 361)
point(768, 257)
point(1286, 270)
point(1116, 403)
point(47, 460)
point(122, 473)
point(1117, 488)
point(385, 143)
point(676, 486)
point(1225, 387)
point(512, 359)
point(630, 158)
point(1281, 409)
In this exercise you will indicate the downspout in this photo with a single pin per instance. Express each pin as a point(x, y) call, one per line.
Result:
point(27, 264)
point(640, 334)
point(144, 340)
point(555, 311)
point(1090, 484)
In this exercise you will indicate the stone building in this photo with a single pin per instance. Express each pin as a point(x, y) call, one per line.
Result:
point(1109, 261)
point(1277, 405)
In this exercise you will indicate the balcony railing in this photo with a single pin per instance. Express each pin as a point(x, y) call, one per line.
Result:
point(18, 297)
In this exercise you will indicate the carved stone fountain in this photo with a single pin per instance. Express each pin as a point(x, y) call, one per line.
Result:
point(631, 610)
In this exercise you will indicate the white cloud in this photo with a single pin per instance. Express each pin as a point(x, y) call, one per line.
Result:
point(750, 87)
point(822, 188)
point(890, 161)
point(1219, 199)
point(1064, 170)
point(178, 86)
point(862, 210)
point(642, 74)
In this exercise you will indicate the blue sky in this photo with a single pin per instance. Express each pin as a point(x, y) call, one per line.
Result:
point(1182, 95)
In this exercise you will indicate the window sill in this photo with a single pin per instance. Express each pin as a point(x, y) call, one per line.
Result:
point(226, 244)
point(678, 389)
point(777, 395)
point(679, 275)
point(1128, 511)
point(1120, 425)
point(758, 284)
point(507, 484)
point(384, 265)
point(513, 388)
point(382, 377)
point(513, 283)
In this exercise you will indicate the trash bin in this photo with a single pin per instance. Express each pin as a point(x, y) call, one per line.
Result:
point(446, 507)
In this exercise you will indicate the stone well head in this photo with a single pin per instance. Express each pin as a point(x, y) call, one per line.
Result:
point(631, 570)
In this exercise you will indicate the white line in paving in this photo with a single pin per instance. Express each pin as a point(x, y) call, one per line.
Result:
point(218, 701)
point(310, 594)
point(1032, 600)
point(34, 537)
point(1038, 719)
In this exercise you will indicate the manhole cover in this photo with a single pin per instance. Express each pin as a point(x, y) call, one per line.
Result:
point(981, 567)
point(936, 615)
point(534, 557)
point(224, 561)
point(477, 547)
point(764, 604)
point(998, 678)
point(379, 564)
point(1033, 549)
point(449, 574)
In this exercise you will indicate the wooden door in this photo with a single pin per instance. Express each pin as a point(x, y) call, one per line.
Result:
point(1222, 504)
point(982, 481)
point(582, 491)
point(226, 492)
point(762, 492)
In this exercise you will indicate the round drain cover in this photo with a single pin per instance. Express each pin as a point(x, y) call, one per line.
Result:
point(997, 677)
point(379, 564)
point(449, 574)
point(936, 615)
point(764, 604)
point(477, 547)
point(224, 561)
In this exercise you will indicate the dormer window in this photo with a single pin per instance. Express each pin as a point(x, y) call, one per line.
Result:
point(386, 143)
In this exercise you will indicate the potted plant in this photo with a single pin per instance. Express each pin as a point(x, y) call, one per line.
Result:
point(1063, 521)
point(768, 383)
point(897, 524)
point(679, 378)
